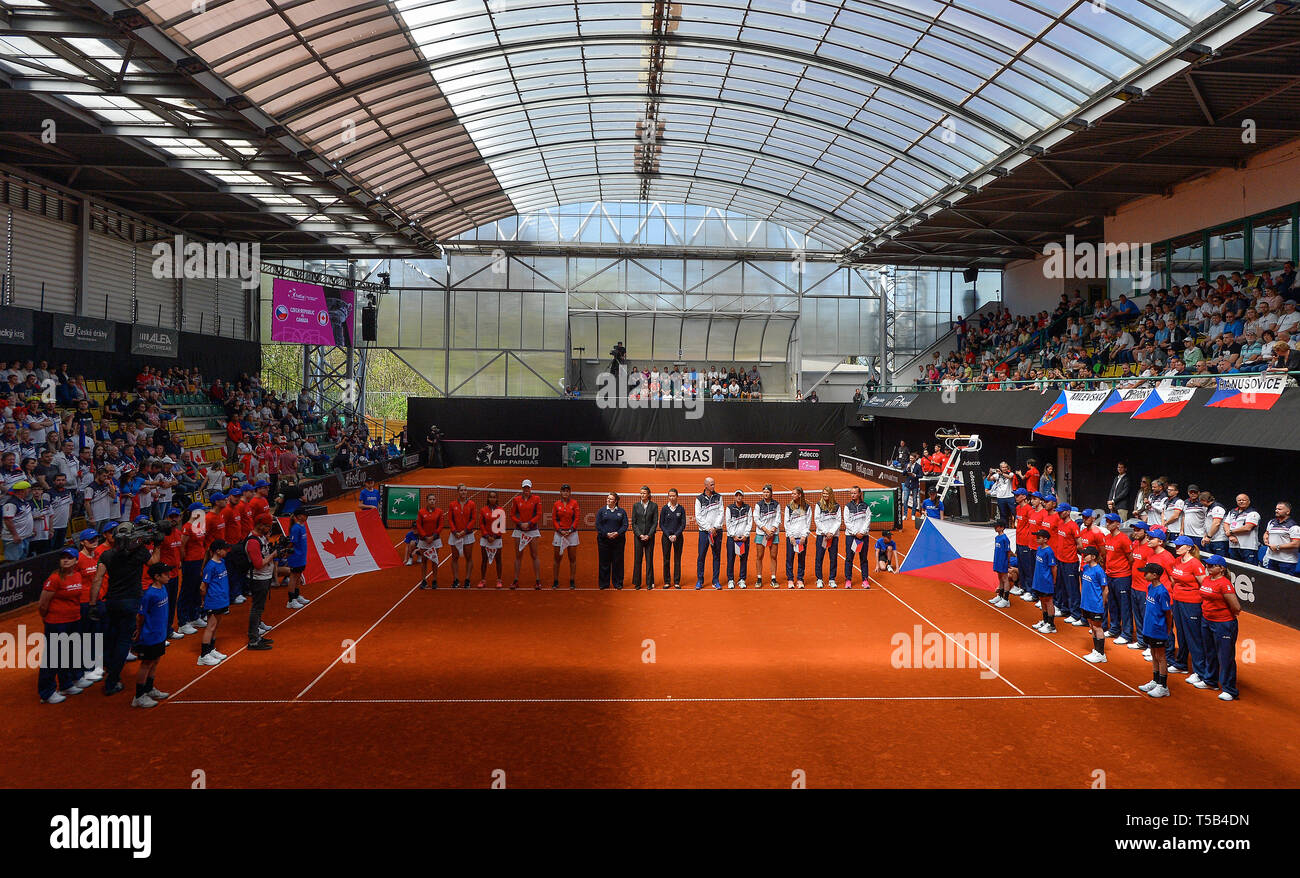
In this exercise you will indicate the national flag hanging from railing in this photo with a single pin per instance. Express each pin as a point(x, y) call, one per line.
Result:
point(1166, 401)
point(1065, 416)
point(1257, 392)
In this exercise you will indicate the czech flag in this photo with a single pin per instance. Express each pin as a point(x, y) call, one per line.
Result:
point(346, 543)
point(1166, 401)
point(1125, 402)
point(1258, 392)
point(952, 552)
point(1068, 413)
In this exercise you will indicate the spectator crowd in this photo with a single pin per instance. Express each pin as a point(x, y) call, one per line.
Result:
point(66, 455)
point(1241, 323)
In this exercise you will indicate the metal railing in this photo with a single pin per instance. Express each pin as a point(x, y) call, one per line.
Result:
point(1203, 379)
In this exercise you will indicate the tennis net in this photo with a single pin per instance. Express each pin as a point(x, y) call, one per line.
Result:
point(402, 502)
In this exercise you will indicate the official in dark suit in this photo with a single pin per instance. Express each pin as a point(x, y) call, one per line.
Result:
point(672, 529)
point(611, 537)
point(1121, 491)
point(645, 521)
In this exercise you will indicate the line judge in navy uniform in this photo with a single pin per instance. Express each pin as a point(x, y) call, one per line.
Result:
point(611, 535)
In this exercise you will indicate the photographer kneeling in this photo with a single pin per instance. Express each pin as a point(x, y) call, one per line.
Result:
point(134, 547)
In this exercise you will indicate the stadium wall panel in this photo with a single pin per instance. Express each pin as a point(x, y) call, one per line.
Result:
point(118, 368)
point(470, 424)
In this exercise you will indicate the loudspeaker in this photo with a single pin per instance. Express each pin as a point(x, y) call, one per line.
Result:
point(369, 324)
point(970, 274)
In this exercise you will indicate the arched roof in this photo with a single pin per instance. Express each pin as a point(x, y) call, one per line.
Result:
point(832, 118)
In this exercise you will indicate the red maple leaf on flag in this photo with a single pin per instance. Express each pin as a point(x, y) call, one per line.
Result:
point(340, 546)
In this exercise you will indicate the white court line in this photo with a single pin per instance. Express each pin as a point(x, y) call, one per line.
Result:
point(949, 636)
point(665, 700)
point(1044, 637)
point(172, 699)
point(345, 652)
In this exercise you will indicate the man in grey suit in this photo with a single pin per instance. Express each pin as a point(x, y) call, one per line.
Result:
point(644, 522)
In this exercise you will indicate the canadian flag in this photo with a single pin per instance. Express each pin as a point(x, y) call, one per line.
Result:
point(346, 543)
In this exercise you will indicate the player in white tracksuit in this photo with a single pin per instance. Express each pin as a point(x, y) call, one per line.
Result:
point(708, 519)
point(767, 521)
point(828, 517)
point(740, 523)
point(857, 529)
point(798, 522)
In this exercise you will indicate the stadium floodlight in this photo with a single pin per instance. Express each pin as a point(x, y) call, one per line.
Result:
point(1077, 124)
point(1278, 7)
point(1129, 93)
point(1196, 52)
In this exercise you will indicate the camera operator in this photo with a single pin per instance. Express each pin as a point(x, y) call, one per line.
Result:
point(135, 546)
point(289, 496)
point(433, 446)
point(619, 354)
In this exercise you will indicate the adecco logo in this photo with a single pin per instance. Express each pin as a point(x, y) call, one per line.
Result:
point(1244, 584)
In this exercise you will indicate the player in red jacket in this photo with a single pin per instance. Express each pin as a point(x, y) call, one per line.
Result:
point(492, 524)
point(462, 514)
point(428, 527)
point(525, 512)
point(565, 516)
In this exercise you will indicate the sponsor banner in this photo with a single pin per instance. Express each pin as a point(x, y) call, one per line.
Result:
point(774, 457)
point(331, 486)
point(484, 452)
point(888, 400)
point(508, 454)
point(1257, 392)
point(401, 504)
point(577, 454)
point(304, 313)
point(314, 492)
point(154, 341)
point(651, 455)
point(84, 333)
point(809, 465)
point(884, 508)
point(876, 472)
point(16, 326)
point(21, 581)
point(353, 479)
point(1274, 596)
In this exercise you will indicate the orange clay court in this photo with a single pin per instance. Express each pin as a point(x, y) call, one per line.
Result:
point(746, 688)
